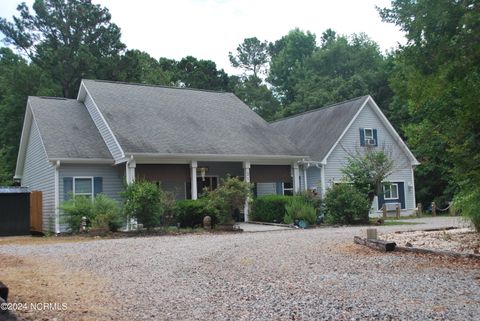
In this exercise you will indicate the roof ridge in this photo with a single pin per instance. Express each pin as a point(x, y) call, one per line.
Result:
point(158, 86)
point(50, 97)
point(319, 108)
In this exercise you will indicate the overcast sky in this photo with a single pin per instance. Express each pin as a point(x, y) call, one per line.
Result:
point(209, 29)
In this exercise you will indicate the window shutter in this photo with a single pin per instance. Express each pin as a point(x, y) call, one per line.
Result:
point(401, 194)
point(375, 137)
point(278, 188)
point(67, 187)
point(362, 137)
point(97, 185)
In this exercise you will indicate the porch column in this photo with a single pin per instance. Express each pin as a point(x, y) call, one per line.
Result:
point(246, 177)
point(305, 187)
point(193, 177)
point(322, 178)
point(130, 171)
point(296, 181)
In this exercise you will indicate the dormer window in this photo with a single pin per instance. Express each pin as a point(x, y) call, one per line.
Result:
point(368, 137)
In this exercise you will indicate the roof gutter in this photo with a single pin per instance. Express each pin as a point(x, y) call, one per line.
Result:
point(210, 157)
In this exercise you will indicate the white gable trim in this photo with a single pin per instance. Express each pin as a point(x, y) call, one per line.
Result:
point(81, 97)
point(392, 130)
point(28, 123)
point(387, 123)
point(324, 160)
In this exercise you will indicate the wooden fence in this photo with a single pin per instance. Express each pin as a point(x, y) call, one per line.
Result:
point(36, 215)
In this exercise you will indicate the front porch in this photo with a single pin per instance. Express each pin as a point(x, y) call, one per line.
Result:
point(188, 179)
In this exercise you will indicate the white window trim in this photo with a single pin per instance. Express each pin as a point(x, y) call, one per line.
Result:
point(391, 198)
point(366, 138)
point(84, 194)
point(286, 189)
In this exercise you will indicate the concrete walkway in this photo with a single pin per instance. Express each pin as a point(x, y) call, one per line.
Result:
point(252, 227)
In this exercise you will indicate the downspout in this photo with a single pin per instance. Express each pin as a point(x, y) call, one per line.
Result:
point(57, 198)
point(322, 174)
point(305, 185)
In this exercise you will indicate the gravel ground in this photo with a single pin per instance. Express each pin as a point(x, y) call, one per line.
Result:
point(316, 274)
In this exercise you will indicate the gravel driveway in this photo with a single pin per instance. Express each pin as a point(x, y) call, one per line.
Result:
point(312, 274)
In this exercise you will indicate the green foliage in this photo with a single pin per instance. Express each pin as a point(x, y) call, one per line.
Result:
point(228, 197)
point(367, 170)
point(344, 204)
point(256, 95)
point(269, 208)
point(107, 213)
point(340, 69)
point(190, 213)
point(69, 40)
point(437, 77)
point(143, 201)
point(287, 56)
point(468, 202)
point(251, 55)
point(102, 212)
point(299, 209)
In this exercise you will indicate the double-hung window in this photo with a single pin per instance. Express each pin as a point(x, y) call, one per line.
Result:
point(390, 191)
point(369, 137)
point(83, 186)
point(287, 188)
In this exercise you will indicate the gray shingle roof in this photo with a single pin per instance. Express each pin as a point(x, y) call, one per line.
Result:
point(166, 120)
point(67, 129)
point(315, 132)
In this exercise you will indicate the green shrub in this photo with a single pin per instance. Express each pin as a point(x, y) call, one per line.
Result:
point(228, 197)
point(143, 201)
point(313, 200)
point(299, 209)
point(106, 213)
point(468, 202)
point(102, 212)
point(344, 204)
point(190, 213)
point(270, 208)
point(75, 209)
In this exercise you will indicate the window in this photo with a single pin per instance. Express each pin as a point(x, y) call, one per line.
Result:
point(287, 188)
point(83, 186)
point(390, 191)
point(369, 137)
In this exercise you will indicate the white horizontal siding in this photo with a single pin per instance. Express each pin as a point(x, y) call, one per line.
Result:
point(350, 144)
point(39, 175)
point(103, 128)
point(266, 189)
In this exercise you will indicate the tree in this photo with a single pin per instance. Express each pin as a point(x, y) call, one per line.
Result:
point(138, 66)
point(68, 39)
point(193, 73)
point(287, 56)
point(256, 95)
point(18, 80)
point(440, 64)
point(368, 170)
point(251, 55)
point(341, 69)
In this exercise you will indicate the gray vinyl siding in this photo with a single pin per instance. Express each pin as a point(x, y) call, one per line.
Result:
point(350, 144)
point(266, 189)
point(102, 128)
point(314, 178)
point(39, 175)
point(112, 179)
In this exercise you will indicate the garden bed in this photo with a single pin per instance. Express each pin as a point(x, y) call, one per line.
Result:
point(461, 240)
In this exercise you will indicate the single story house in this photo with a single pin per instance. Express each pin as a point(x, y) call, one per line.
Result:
point(188, 139)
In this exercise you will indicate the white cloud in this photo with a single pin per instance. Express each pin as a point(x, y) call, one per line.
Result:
point(209, 29)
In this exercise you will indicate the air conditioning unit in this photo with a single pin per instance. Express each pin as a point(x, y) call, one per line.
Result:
point(370, 142)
